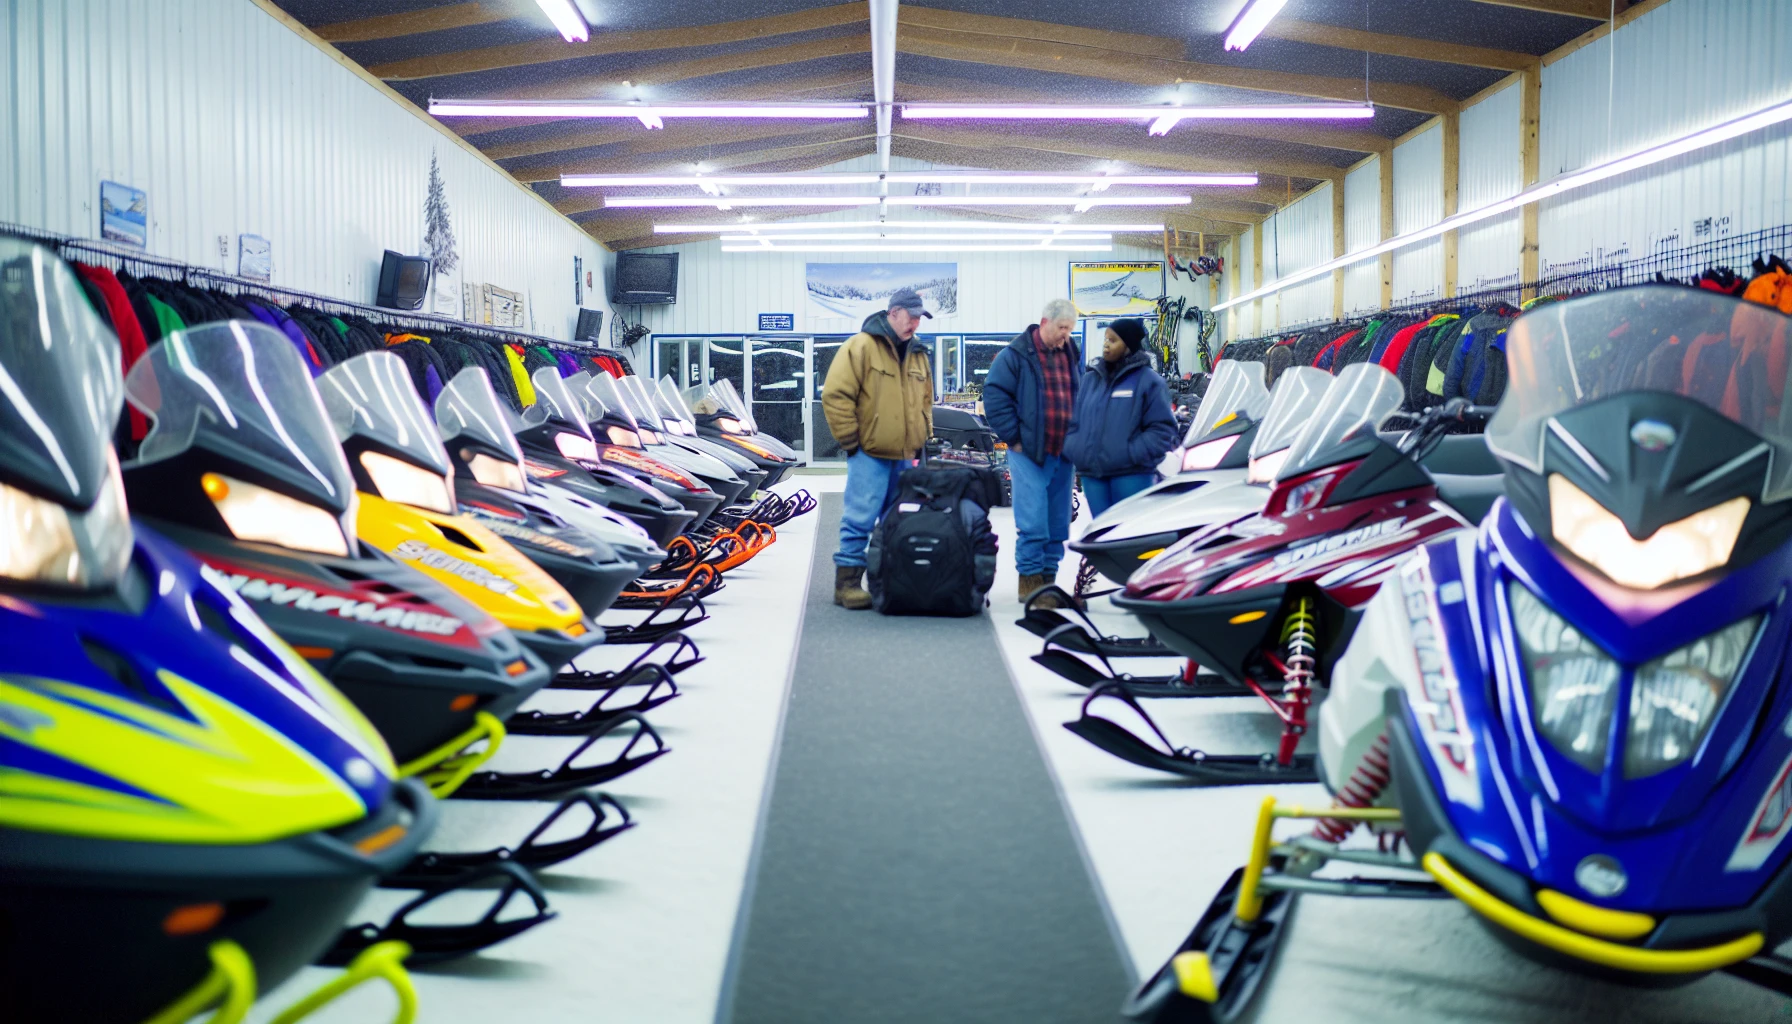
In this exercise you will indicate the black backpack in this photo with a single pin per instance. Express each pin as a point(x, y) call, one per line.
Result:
point(933, 553)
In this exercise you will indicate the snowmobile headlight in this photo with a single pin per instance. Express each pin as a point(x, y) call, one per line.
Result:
point(36, 541)
point(624, 437)
point(1307, 495)
point(256, 513)
point(1573, 684)
point(1264, 468)
point(1675, 697)
point(651, 436)
point(576, 446)
point(500, 473)
point(1696, 544)
point(1208, 454)
point(406, 484)
point(732, 425)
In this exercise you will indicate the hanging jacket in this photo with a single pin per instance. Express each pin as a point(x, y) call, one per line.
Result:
point(1122, 421)
point(525, 390)
point(132, 343)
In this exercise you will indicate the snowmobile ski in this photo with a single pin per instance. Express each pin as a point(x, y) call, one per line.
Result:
point(557, 782)
point(1204, 768)
point(683, 654)
point(435, 943)
point(609, 819)
point(1043, 622)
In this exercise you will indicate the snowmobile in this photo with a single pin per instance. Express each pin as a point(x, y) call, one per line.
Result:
point(643, 396)
point(188, 804)
point(243, 469)
point(549, 429)
point(681, 421)
point(721, 413)
point(1603, 652)
point(1268, 601)
point(472, 426)
point(629, 424)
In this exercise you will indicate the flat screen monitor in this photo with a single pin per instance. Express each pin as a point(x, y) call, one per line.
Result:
point(404, 281)
point(591, 325)
point(643, 278)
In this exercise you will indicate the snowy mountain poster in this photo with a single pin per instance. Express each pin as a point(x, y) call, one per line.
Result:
point(124, 214)
point(847, 293)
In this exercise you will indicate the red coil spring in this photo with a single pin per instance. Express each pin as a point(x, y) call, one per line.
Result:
point(1371, 776)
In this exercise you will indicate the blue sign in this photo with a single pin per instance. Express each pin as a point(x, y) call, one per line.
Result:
point(781, 323)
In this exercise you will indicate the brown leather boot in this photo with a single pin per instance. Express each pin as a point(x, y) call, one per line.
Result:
point(847, 592)
point(1030, 583)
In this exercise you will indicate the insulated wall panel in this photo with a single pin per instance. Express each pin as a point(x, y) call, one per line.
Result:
point(1362, 228)
point(1684, 66)
point(1296, 238)
point(233, 124)
point(1419, 203)
point(1490, 168)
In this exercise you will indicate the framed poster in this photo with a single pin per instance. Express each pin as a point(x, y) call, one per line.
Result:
point(254, 258)
point(1116, 289)
point(503, 308)
point(124, 214)
point(850, 292)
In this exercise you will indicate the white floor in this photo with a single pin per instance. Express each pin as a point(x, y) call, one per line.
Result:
point(646, 920)
point(1160, 849)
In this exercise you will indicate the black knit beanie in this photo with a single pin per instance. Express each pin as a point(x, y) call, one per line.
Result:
point(1131, 331)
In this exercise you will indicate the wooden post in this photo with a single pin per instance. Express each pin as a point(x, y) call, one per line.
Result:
point(1530, 108)
point(1386, 162)
point(1257, 277)
point(1452, 129)
point(1232, 274)
point(1338, 248)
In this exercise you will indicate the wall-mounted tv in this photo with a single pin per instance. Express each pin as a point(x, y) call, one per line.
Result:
point(591, 325)
point(404, 281)
point(644, 278)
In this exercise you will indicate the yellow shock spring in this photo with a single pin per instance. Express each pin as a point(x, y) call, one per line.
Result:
point(1300, 637)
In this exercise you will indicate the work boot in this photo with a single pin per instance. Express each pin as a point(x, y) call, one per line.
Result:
point(847, 592)
point(1030, 583)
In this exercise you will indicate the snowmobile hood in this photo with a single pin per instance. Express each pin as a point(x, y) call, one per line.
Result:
point(1183, 502)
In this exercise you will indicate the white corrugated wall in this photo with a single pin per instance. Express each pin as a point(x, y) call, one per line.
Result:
point(1683, 66)
point(1249, 325)
point(234, 124)
point(1419, 203)
point(1297, 237)
point(1490, 168)
point(1362, 228)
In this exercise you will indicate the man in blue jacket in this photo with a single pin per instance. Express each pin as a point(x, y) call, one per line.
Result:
point(1123, 423)
point(1028, 399)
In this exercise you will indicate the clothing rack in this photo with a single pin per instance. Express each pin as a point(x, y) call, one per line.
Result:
point(142, 264)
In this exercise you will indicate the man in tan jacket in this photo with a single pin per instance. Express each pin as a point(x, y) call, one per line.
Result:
point(878, 399)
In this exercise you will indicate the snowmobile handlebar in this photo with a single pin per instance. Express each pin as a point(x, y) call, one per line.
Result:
point(1436, 422)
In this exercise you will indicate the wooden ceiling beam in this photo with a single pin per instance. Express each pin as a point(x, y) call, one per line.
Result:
point(553, 50)
point(1593, 10)
point(973, 139)
point(1396, 46)
point(410, 23)
point(1040, 32)
point(948, 35)
point(836, 149)
point(696, 138)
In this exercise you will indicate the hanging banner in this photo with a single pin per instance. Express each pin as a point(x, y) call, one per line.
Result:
point(124, 214)
point(851, 292)
point(1116, 289)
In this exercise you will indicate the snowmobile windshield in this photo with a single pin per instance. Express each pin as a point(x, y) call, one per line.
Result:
point(1573, 353)
point(603, 388)
point(1298, 391)
point(732, 405)
point(468, 409)
point(1236, 390)
point(241, 390)
point(59, 380)
point(556, 402)
point(1360, 398)
point(642, 404)
point(672, 408)
point(371, 397)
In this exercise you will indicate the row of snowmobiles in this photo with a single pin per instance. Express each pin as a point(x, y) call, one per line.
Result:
point(240, 670)
point(1543, 659)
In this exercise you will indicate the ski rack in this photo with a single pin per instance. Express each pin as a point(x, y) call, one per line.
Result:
point(434, 943)
point(551, 784)
point(1187, 683)
point(434, 867)
point(684, 655)
point(652, 628)
point(657, 690)
point(1204, 768)
point(1084, 637)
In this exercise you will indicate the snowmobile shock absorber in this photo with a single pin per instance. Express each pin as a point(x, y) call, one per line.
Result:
point(1371, 776)
point(1299, 641)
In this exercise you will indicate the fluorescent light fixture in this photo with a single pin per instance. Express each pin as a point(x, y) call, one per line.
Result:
point(918, 225)
point(1101, 181)
point(730, 202)
point(1279, 111)
point(1069, 247)
point(910, 236)
point(1555, 186)
point(567, 19)
point(1250, 21)
point(651, 121)
point(588, 108)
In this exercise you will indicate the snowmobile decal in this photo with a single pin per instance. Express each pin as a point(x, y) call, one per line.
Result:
point(1767, 826)
point(348, 606)
point(1338, 542)
point(421, 553)
point(1436, 700)
point(535, 537)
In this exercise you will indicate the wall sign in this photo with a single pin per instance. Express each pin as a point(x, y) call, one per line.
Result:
point(254, 258)
point(780, 323)
point(124, 214)
point(1116, 289)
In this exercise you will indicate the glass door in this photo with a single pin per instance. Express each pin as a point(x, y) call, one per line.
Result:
point(948, 364)
point(725, 359)
point(780, 374)
point(979, 353)
point(824, 350)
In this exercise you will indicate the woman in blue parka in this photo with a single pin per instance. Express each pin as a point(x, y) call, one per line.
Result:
point(1123, 423)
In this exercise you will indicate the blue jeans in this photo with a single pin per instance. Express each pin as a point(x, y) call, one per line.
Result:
point(1041, 512)
point(1106, 492)
point(871, 486)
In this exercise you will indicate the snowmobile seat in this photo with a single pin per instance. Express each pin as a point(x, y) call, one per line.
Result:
point(1473, 496)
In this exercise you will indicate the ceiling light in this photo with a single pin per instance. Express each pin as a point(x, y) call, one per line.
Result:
point(942, 177)
point(1080, 203)
point(851, 236)
point(566, 17)
point(650, 202)
point(651, 121)
point(991, 225)
point(588, 108)
point(1067, 247)
point(1250, 21)
point(1280, 111)
point(1553, 187)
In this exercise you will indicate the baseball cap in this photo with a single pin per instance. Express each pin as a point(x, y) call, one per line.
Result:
point(906, 298)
